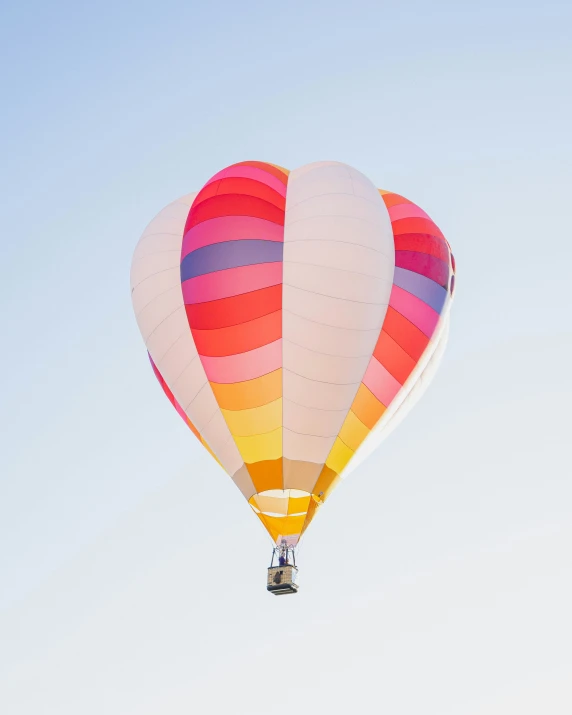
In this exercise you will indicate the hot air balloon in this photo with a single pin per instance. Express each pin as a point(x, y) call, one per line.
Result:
point(292, 319)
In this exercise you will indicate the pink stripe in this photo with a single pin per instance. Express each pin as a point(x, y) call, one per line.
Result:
point(180, 410)
point(414, 309)
point(230, 228)
point(231, 281)
point(244, 366)
point(378, 381)
point(406, 211)
point(250, 172)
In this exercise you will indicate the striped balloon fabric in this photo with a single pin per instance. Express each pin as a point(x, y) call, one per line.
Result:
point(292, 319)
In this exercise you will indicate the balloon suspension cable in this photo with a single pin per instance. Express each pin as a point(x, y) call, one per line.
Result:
point(284, 553)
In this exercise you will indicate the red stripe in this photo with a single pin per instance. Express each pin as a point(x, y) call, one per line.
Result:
point(422, 243)
point(425, 265)
point(239, 338)
point(405, 334)
point(415, 225)
point(234, 205)
point(393, 357)
point(241, 186)
point(162, 382)
point(238, 309)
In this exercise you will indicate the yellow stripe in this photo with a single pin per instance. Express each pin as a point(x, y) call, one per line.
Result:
point(260, 447)
point(282, 525)
point(339, 456)
point(249, 394)
point(353, 431)
point(244, 423)
point(326, 483)
point(297, 505)
point(281, 505)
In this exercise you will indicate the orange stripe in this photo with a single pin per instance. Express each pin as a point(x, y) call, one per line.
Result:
point(193, 429)
point(250, 393)
point(394, 200)
point(326, 483)
point(367, 408)
point(270, 168)
point(266, 475)
point(281, 168)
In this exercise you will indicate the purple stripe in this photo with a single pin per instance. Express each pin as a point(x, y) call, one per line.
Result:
point(230, 254)
point(230, 228)
point(423, 288)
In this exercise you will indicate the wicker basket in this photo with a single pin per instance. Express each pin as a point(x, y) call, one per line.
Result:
point(282, 580)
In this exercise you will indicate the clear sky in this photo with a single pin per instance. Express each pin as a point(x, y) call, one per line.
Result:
point(438, 579)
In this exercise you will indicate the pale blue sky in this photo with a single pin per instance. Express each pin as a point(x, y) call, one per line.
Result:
point(112, 596)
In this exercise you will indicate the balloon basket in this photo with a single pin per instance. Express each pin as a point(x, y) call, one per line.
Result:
point(282, 577)
point(282, 580)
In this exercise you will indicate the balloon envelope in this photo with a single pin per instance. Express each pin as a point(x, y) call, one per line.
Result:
point(292, 319)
